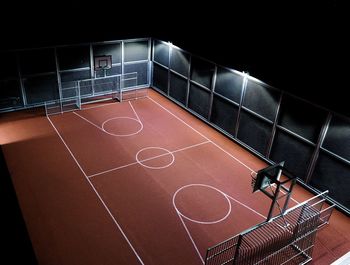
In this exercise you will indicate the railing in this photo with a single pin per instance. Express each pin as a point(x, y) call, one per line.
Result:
point(285, 239)
point(74, 93)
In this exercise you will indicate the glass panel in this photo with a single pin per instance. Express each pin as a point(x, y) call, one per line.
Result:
point(229, 84)
point(41, 88)
point(295, 153)
point(135, 51)
point(161, 53)
point(178, 88)
point(140, 69)
point(224, 114)
point(202, 72)
point(160, 78)
point(113, 49)
point(333, 175)
point(180, 62)
point(254, 131)
point(73, 57)
point(301, 118)
point(338, 137)
point(261, 99)
point(199, 100)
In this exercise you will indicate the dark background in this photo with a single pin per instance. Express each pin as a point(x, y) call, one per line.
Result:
point(297, 46)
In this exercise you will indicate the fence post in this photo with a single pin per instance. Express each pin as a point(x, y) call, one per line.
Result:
point(239, 242)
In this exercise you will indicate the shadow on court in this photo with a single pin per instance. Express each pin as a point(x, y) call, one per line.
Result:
point(15, 243)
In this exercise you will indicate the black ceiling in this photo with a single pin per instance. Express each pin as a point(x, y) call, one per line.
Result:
point(299, 47)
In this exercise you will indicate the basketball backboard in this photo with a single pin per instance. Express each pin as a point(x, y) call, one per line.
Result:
point(103, 62)
point(267, 176)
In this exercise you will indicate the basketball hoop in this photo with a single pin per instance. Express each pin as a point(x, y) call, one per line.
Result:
point(103, 62)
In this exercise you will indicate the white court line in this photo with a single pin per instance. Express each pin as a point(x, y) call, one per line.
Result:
point(137, 116)
point(70, 152)
point(246, 206)
point(99, 106)
point(97, 194)
point(232, 156)
point(147, 159)
point(181, 216)
point(122, 135)
point(155, 167)
point(235, 158)
point(113, 134)
point(197, 221)
point(190, 236)
point(88, 121)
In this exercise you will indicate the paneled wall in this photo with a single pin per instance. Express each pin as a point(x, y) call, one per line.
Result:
point(31, 77)
point(277, 126)
point(313, 142)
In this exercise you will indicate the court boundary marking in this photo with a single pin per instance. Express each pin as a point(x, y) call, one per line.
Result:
point(182, 217)
point(117, 117)
point(105, 205)
point(98, 195)
point(98, 106)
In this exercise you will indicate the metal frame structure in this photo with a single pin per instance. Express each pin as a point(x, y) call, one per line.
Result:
point(265, 155)
point(58, 72)
point(286, 239)
point(112, 87)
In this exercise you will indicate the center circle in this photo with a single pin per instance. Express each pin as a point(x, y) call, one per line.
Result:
point(150, 156)
point(203, 204)
point(122, 126)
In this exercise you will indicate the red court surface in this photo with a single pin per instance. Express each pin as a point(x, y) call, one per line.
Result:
point(138, 182)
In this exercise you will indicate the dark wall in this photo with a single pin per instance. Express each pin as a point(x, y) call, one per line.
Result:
point(31, 77)
point(276, 125)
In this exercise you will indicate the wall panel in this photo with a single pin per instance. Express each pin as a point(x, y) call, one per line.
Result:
point(180, 62)
point(161, 53)
point(73, 57)
point(224, 114)
point(261, 99)
point(338, 137)
point(199, 100)
point(178, 88)
point(294, 152)
point(254, 132)
point(202, 71)
point(301, 118)
point(135, 51)
point(333, 175)
point(229, 84)
point(160, 78)
point(41, 88)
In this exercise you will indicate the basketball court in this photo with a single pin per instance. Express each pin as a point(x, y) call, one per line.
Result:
point(133, 182)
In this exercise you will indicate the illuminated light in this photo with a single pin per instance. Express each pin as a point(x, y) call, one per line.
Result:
point(245, 74)
point(171, 45)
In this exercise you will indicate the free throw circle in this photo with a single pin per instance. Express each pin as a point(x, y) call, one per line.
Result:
point(203, 204)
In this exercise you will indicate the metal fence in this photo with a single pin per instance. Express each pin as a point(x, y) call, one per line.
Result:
point(286, 239)
point(73, 94)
